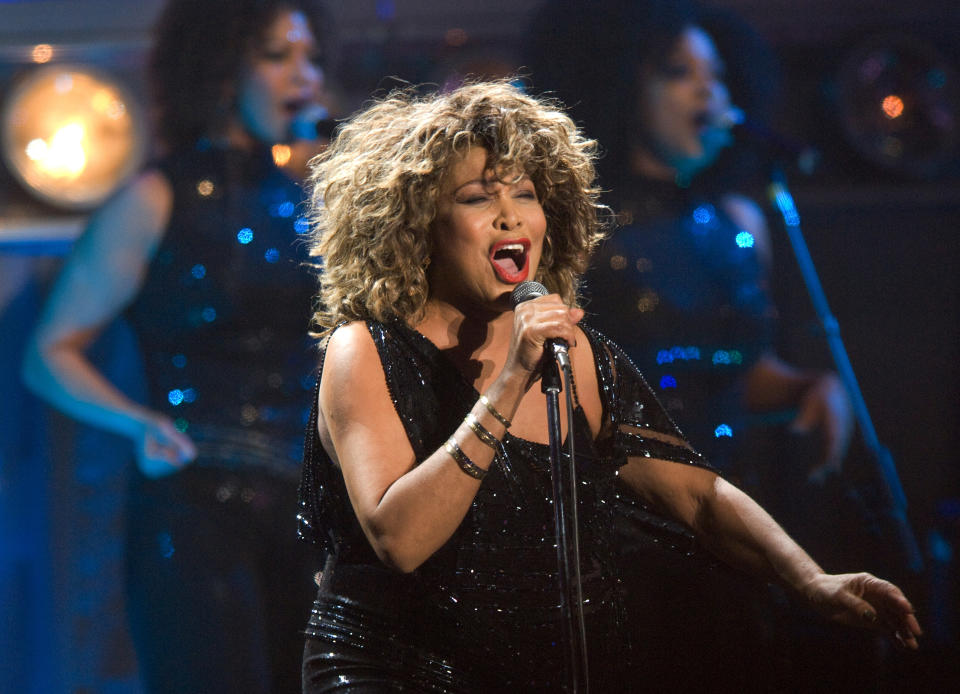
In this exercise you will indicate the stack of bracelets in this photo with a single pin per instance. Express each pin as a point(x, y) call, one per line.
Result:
point(467, 465)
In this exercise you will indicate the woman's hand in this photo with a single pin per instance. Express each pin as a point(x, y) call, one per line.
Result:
point(863, 600)
point(534, 322)
point(825, 407)
point(161, 448)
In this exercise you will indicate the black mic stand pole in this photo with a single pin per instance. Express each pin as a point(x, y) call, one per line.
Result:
point(574, 646)
point(783, 201)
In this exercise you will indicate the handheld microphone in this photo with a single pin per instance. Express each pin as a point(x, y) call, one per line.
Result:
point(532, 290)
point(806, 157)
point(313, 123)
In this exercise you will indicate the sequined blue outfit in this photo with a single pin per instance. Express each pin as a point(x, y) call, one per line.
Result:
point(683, 290)
point(216, 582)
point(482, 614)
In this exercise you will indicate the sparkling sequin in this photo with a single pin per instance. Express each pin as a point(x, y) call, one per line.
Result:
point(703, 214)
point(723, 430)
point(165, 545)
point(668, 381)
point(205, 188)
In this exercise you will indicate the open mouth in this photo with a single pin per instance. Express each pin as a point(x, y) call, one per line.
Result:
point(702, 120)
point(511, 260)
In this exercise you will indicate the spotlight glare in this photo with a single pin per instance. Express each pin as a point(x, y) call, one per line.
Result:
point(71, 135)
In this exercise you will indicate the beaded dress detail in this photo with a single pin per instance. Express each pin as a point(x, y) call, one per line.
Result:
point(483, 613)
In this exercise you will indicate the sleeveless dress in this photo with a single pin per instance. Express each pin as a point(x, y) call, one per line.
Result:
point(483, 613)
point(215, 577)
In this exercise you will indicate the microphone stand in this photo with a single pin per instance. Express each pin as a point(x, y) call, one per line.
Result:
point(891, 488)
point(564, 491)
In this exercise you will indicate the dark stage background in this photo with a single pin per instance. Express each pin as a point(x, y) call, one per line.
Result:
point(885, 238)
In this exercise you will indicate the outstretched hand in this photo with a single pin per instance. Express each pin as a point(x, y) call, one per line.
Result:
point(863, 600)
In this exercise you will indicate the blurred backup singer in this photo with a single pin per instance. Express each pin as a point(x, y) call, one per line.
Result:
point(200, 254)
point(426, 476)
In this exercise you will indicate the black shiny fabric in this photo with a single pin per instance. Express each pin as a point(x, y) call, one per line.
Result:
point(486, 606)
point(682, 289)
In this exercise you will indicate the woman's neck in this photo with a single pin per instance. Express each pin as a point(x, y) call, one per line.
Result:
point(645, 163)
point(235, 136)
point(477, 341)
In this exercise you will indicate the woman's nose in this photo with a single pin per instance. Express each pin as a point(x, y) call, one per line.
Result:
point(507, 217)
point(308, 72)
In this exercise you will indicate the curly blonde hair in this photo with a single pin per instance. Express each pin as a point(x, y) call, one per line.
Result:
point(374, 194)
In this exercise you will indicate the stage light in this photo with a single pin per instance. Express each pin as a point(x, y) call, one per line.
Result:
point(899, 104)
point(71, 134)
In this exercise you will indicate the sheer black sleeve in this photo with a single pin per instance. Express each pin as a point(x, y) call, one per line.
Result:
point(635, 423)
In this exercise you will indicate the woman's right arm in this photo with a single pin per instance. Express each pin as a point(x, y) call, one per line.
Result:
point(101, 276)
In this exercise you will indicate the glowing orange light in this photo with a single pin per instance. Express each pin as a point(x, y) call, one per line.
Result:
point(70, 135)
point(892, 106)
point(42, 53)
point(281, 154)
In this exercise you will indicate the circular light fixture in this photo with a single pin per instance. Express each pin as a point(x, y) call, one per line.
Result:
point(899, 103)
point(71, 135)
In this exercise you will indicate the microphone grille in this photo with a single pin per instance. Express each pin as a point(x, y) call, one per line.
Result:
point(526, 291)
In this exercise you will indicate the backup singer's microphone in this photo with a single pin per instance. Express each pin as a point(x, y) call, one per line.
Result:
point(806, 157)
point(312, 123)
point(531, 290)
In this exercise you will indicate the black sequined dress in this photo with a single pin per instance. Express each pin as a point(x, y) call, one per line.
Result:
point(222, 318)
point(483, 613)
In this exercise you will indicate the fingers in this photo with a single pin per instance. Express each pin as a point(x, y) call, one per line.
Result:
point(164, 449)
point(884, 608)
point(539, 320)
point(896, 614)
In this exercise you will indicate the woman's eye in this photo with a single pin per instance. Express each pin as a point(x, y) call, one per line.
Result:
point(274, 56)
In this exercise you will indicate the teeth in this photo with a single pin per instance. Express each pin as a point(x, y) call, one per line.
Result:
point(512, 247)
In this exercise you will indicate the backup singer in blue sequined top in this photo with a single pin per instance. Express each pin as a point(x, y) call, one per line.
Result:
point(201, 252)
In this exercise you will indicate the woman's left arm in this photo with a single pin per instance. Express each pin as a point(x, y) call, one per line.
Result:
point(736, 529)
